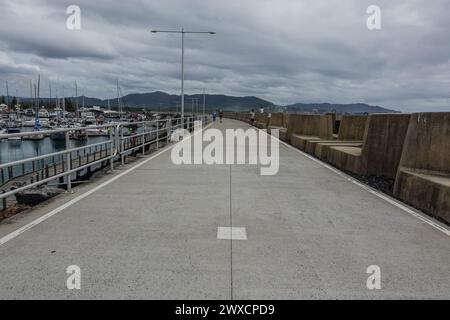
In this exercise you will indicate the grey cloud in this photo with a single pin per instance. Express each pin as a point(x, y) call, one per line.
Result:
point(286, 51)
point(9, 66)
point(46, 35)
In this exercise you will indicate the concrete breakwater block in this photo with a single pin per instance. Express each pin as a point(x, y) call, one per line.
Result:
point(381, 150)
point(423, 178)
point(322, 148)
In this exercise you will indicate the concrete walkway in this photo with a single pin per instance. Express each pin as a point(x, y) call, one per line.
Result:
point(152, 234)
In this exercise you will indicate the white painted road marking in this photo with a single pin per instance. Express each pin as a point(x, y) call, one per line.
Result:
point(231, 233)
point(34, 223)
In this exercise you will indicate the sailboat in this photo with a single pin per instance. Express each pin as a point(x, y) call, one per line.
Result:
point(79, 135)
point(11, 128)
point(37, 123)
point(60, 136)
point(2, 126)
point(12, 124)
point(37, 128)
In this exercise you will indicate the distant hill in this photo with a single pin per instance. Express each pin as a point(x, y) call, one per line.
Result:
point(159, 100)
point(163, 101)
point(213, 101)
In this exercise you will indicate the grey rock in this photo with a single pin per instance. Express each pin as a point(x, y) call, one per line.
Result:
point(37, 195)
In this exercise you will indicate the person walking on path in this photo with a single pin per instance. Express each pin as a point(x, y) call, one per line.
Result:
point(252, 117)
point(214, 116)
point(220, 115)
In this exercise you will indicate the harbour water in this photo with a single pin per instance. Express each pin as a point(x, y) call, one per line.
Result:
point(11, 150)
point(17, 150)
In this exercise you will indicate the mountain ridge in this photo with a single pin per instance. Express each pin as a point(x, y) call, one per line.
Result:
point(159, 100)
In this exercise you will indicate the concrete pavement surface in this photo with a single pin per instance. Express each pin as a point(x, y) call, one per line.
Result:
point(152, 234)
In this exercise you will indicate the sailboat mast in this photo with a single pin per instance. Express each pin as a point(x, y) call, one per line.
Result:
point(37, 125)
point(38, 90)
point(35, 97)
point(118, 100)
point(7, 94)
point(63, 103)
point(36, 106)
point(76, 98)
point(31, 92)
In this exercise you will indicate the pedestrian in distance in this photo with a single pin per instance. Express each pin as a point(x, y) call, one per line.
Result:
point(252, 117)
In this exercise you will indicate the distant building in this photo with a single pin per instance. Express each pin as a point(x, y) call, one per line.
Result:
point(111, 114)
point(94, 111)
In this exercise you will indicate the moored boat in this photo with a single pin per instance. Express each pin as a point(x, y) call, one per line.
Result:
point(36, 136)
point(93, 132)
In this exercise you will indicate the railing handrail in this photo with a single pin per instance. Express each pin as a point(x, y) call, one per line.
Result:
point(47, 132)
point(53, 154)
point(43, 181)
point(116, 140)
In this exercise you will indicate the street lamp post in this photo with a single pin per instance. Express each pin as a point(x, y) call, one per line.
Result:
point(182, 32)
point(203, 103)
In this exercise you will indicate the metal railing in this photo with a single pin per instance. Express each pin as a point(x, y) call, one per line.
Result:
point(123, 140)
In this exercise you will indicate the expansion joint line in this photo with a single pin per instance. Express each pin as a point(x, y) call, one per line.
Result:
point(231, 237)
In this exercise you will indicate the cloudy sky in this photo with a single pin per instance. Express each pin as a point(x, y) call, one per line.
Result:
point(285, 51)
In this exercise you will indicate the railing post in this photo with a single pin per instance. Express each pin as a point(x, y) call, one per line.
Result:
point(169, 130)
point(69, 167)
point(143, 139)
point(157, 134)
point(111, 160)
point(122, 154)
point(4, 201)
